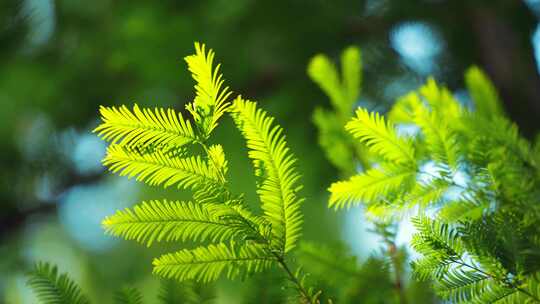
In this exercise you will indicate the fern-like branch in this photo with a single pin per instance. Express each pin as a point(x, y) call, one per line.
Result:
point(381, 137)
point(323, 72)
point(171, 221)
point(211, 100)
point(128, 295)
point(436, 238)
point(143, 127)
point(426, 193)
point(351, 74)
point(483, 92)
point(206, 264)
point(173, 292)
point(465, 209)
point(369, 186)
point(441, 140)
point(157, 168)
point(275, 164)
point(54, 288)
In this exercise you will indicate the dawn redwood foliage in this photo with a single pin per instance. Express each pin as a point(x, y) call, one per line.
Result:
point(459, 171)
point(462, 171)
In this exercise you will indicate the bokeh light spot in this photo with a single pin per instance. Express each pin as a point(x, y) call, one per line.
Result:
point(418, 44)
point(82, 208)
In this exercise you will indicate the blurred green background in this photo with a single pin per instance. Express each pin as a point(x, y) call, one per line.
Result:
point(61, 59)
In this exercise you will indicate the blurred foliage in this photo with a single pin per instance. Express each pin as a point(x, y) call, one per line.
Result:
point(60, 59)
point(470, 179)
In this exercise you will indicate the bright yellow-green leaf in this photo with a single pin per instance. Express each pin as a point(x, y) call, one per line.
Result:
point(483, 93)
point(381, 137)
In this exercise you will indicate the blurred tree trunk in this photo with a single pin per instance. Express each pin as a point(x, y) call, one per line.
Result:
point(507, 54)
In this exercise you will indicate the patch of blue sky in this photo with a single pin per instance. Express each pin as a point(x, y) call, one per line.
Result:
point(44, 240)
point(535, 39)
point(84, 149)
point(534, 6)
point(82, 209)
point(408, 130)
point(418, 44)
point(357, 233)
point(87, 153)
point(34, 137)
point(401, 86)
point(41, 17)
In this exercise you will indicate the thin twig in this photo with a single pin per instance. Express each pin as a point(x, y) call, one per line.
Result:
point(489, 275)
point(306, 298)
point(398, 284)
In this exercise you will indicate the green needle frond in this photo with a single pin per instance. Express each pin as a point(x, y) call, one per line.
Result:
point(498, 293)
point(436, 239)
point(143, 127)
point(323, 72)
point(333, 263)
point(206, 264)
point(426, 193)
point(212, 193)
point(421, 194)
point(275, 164)
point(485, 96)
point(440, 140)
point(478, 179)
point(344, 92)
point(440, 100)
point(158, 169)
point(128, 295)
point(174, 292)
point(533, 286)
point(465, 209)
point(457, 278)
point(211, 96)
point(172, 221)
point(381, 137)
point(404, 108)
point(217, 159)
point(339, 146)
point(370, 186)
point(351, 70)
point(462, 285)
point(54, 288)
point(335, 141)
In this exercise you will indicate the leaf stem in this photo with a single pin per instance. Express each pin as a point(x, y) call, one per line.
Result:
point(462, 263)
point(306, 298)
point(530, 295)
point(206, 150)
point(398, 284)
